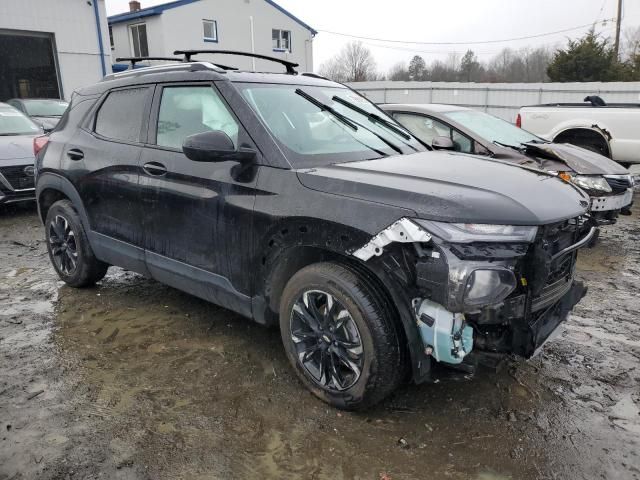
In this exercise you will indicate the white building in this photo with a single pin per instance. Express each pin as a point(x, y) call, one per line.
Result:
point(258, 26)
point(48, 48)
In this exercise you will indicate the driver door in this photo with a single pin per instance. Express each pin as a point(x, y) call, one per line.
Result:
point(196, 215)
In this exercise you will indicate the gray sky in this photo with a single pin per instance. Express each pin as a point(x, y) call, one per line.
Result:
point(443, 21)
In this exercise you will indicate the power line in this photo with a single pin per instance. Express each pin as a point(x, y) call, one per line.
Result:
point(464, 43)
point(439, 52)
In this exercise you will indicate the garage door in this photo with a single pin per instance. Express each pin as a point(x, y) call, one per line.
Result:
point(28, 66)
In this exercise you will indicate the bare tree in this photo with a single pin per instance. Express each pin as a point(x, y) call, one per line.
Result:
point(333, 70)
point(631, 43)
point(354, 63)
point(399, 72)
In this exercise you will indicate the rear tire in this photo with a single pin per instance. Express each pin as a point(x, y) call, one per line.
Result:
point(350, 378)
point(69, 249)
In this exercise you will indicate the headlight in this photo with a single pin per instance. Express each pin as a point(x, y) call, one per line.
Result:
point(592, 182)
point(485, 287)
point(479, 232)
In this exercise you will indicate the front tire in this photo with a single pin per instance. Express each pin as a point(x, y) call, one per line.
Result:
point(340, 336)
point(69, 249)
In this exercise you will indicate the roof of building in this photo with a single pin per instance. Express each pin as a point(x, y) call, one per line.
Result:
point(158, 9)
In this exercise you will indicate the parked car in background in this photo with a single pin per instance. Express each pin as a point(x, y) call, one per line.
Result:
point(17, 133)
point(609, 185)
point(611, 129)
point(46, 112)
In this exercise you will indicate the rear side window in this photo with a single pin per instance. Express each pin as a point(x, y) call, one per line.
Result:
point(120, 116)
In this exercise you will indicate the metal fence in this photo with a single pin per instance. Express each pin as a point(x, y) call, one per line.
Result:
point(500, 99)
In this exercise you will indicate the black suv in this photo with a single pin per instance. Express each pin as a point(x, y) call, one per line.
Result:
point(293, 200)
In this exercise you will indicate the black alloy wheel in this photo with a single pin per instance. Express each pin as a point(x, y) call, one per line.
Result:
point(64, 249)
point(326, 339)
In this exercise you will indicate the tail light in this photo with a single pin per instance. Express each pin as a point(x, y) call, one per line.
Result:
point(519, 121)
point(39, 143)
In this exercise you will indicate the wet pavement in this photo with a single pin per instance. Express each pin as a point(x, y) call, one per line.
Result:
point(135, 380)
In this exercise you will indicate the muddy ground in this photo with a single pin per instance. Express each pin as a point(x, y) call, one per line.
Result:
point(135, 380)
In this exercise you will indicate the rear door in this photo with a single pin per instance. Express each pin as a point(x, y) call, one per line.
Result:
point(196, 215)
point(102, 160)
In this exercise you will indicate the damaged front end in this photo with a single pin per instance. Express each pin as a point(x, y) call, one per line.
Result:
point(490, 289)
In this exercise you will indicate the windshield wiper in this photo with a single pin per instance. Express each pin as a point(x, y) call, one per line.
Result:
point(348, 121)
point(326, 108)
point(373, 117)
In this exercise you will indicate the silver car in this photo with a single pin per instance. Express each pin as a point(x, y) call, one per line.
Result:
point(46, 112)
point(17, 132)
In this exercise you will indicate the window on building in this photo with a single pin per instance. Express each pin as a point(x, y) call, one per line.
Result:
point(111, 37)
point(210, 28)
point(120, 116)
point(139, 40)
point(186, 111)
point(281, 40)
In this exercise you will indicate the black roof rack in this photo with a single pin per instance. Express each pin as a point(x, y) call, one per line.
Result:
point(290, 66)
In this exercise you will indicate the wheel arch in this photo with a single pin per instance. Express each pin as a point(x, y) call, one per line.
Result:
point(52, 187)
point(598, 135)
point(284, 259)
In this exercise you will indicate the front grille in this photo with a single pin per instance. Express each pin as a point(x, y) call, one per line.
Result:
point(619, 184)
point(17, 177)
point(553, 282)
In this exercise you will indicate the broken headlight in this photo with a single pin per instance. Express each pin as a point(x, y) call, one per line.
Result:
point(479, 232)
point(488, 286)
point(592, 182)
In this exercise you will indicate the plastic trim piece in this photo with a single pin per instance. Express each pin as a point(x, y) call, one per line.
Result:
point(402, 231)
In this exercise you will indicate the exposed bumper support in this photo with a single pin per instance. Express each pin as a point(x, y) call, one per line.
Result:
point(402, 231)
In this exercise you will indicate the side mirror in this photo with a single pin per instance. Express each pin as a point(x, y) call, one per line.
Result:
point(442, 143)
point(214, 146)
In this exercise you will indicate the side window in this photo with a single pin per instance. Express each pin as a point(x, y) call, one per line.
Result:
point(120, 116)
point(210, 30)
point(425, 128)
point(462, 143)
point(281, 40)
point(186, 111)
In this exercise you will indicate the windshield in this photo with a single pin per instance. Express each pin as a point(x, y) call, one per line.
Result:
point(12, 122)
point(45, 108)
point(312, 135)
point(491, 128)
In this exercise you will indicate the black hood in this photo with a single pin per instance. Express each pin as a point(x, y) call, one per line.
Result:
point(450, 187)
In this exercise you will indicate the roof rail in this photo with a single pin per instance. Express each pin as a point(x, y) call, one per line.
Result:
point(290, 66)
point(134, 60)
point(315, 75)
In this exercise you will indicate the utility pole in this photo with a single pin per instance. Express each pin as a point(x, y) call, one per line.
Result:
point(616, 46)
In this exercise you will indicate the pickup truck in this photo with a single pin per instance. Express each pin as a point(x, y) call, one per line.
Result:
point(610, 129)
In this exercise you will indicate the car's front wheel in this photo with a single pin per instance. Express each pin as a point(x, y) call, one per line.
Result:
point(69, 249)
point(340, 336)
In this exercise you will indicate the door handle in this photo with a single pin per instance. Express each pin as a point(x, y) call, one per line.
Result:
point(75, 154)
point(155, 169)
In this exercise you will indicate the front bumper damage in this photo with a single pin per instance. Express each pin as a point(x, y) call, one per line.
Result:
point(534, 284)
